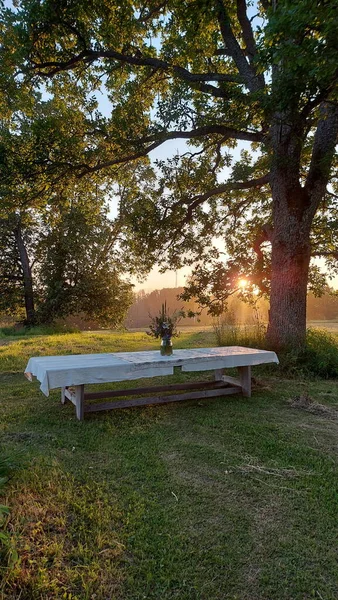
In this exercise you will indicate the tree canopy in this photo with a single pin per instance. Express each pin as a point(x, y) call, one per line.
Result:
point(214, 74)
point(60, 250)
point(63, 260)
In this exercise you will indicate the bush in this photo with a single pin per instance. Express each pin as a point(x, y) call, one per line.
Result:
point(9, 331)
point(319, 358)
point(38, 330)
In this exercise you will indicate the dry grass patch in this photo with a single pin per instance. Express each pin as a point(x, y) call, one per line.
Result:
point(304, 402)
point(64, 538)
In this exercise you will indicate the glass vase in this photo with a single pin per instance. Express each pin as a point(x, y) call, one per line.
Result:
point(166, 346)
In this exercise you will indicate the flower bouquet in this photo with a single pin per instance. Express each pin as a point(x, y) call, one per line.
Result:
point(164, 326)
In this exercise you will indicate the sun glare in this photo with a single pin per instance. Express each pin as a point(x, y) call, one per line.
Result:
point(243, 283)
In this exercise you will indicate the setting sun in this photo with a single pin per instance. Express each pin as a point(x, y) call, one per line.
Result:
point(243, 283)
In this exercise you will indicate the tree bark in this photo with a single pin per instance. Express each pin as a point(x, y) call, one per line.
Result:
point(294, 208)
point(290, 238)
point(289, 278)
point(27, 276)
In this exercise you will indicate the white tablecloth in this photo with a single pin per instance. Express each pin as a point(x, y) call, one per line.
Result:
point(78, 369)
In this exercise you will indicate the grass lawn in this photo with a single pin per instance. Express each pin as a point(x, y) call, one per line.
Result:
point(229, 498)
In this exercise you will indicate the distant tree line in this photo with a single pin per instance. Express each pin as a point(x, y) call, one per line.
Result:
point(323, 308)
point(109, 310)
point(149, 303)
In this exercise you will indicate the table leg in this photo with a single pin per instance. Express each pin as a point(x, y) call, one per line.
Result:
point(63, 397)
point(79, 401)
point(219, 374)
point(245, 380)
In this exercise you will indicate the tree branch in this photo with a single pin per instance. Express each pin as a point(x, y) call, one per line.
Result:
point(196, 201)
point(321, 97)
point(143, 18)
point(196, 80)
point(264, 236)
point(246, 29)
point(85, 169)
point(331, 194)
point(333, 254)
point(252, 81)
point(322, 154)
point(156, 140)
point(226, 52)
point(226, 132)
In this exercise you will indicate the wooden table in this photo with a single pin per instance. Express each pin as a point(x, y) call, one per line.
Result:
point(72, 372)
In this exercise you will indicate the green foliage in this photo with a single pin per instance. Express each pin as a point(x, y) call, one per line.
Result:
point(80, 270)
point(74, 257)
point(55, 329)
point(69, 241)
point(319, 357)
point(313, 28)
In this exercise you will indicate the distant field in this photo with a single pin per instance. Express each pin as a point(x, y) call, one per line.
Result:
point(186, 329)
point(182, 328)
point(329, 325)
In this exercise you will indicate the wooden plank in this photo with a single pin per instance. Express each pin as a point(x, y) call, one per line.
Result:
point(157, 388)
point(245, 379)
point(224, 391)
point(231, 380)
point(70, 396)
point(218, 374)
point(79, 401)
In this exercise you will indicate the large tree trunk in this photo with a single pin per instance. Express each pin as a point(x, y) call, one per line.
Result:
point(290, 238)
point(289, 279)
point(294, 208)
point(27, 276)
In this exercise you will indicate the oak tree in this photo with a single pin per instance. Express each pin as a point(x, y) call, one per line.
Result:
point(214, 73)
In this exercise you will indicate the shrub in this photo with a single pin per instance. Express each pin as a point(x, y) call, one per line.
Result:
point(319, 357)
point(9, 331)
point(38, 330)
